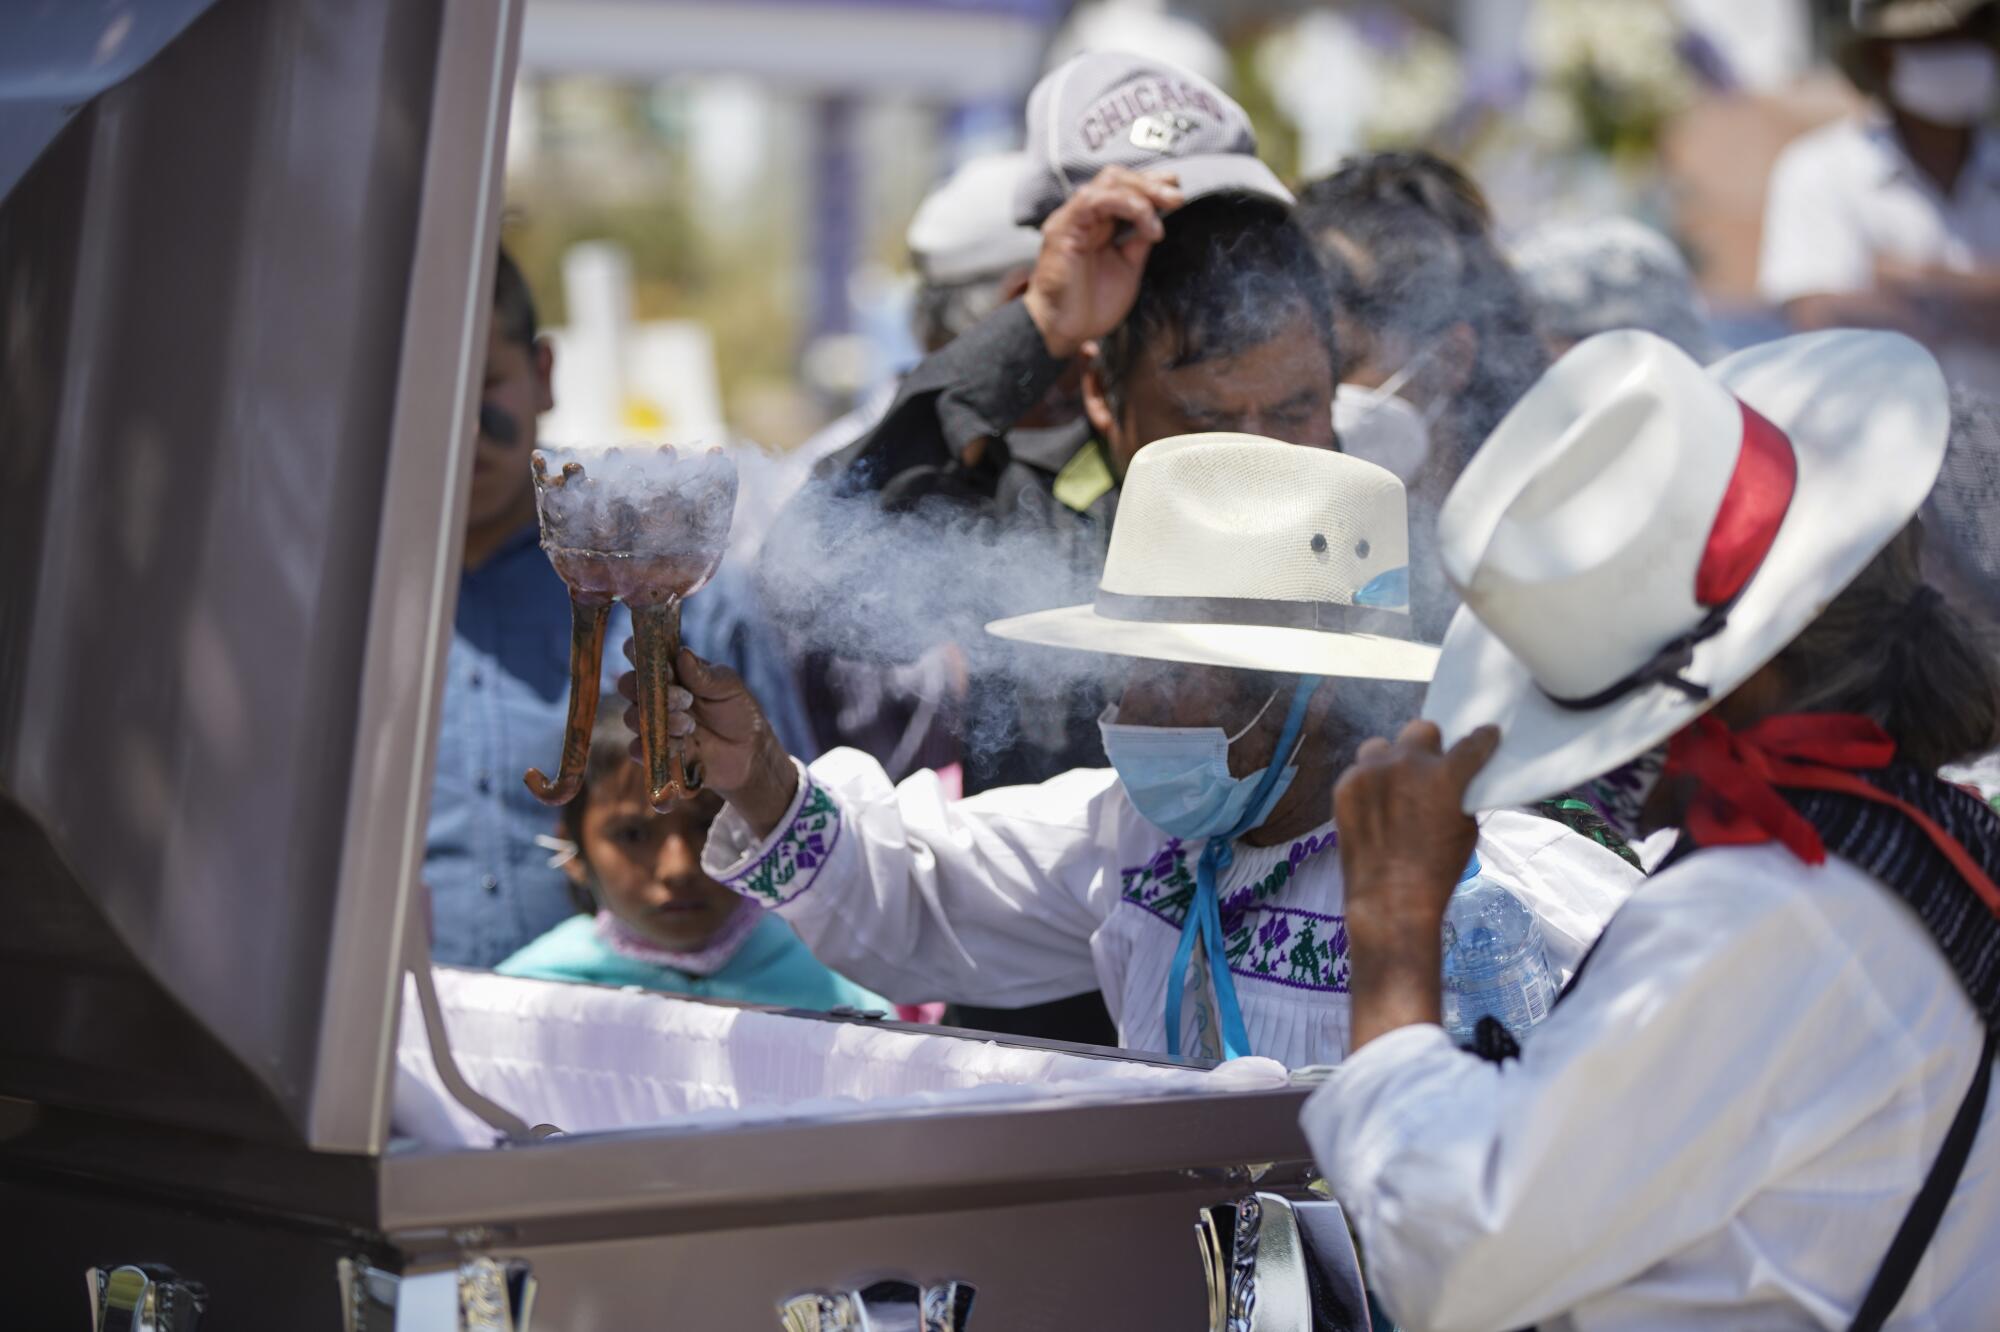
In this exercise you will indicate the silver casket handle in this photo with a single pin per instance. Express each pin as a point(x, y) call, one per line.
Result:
point(886, 1306)
point(148, 1298)
point(481, 1294)
point(1278, 1265)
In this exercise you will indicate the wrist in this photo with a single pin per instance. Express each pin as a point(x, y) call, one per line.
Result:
point(767, 796)
point(1391, 984)
point(1059, 346)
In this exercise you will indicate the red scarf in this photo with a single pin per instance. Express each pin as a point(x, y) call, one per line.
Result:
point(1738, 773)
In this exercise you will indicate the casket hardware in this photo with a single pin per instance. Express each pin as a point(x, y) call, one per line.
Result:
point(1228, 1235)
point(481, 1295)
point(942, 1307)
point(494, 1296)
point(367, 1296)
point(1233, 1176)
point(147, 1298)
point(1275, 1264)
point(1243, 1262)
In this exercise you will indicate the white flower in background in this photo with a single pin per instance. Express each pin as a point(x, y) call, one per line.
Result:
point(1417, 91)
point(1321, 75)
point(1550, 117)
point(1618, 63)
point(1349, 81)
point(1144, 28)
point(1629, 44)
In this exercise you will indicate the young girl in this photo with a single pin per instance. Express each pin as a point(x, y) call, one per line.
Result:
point(659, 921)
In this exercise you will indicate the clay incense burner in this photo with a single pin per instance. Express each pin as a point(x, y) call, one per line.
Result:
point(646, 526)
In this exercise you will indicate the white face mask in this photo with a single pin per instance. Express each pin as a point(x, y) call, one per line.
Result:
point(1379, 427)
point(1946, 83)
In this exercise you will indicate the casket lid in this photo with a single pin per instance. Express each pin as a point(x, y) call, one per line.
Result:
point(247, 297)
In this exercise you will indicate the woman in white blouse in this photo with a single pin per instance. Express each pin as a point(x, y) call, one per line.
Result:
point(1763, 1102)
point(1196, 881)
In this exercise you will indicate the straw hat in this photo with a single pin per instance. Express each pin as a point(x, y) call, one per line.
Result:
point(1639, 536)
point(1233, 550)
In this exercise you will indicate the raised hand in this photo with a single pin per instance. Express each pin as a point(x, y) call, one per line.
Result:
point(740, 756)
point(1404, 841)
point(1094, 250)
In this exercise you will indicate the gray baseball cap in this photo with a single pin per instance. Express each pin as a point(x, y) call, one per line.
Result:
point(1106, 108)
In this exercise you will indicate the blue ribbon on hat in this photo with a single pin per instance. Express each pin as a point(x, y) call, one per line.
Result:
point(1205, 911)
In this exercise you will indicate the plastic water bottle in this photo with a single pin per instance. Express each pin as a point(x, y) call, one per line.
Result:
point(1495, 960)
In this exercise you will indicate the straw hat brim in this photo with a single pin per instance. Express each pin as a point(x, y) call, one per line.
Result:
point(1248, 647)
point(1868, 415)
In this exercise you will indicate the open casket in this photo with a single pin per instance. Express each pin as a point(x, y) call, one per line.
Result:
point(246, 296)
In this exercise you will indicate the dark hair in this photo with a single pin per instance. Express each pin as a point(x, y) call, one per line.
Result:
point(1407, 241)
point(513, 304)
point(1231, 273)
point(610, 752)
point(1891, 648)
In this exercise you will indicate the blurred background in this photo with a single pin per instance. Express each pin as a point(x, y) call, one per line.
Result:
point(710, 199)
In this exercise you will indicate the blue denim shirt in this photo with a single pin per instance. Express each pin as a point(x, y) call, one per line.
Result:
point(506, 701)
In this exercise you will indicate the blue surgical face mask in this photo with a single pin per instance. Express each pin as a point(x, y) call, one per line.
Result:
point(1178, 777)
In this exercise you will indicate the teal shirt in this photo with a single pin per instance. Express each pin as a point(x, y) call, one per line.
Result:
point(772, 967)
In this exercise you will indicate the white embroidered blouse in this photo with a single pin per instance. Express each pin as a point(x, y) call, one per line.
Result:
point(1026, 894)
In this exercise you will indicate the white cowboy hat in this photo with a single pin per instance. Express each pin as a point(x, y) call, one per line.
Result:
point(1233, 550)
point(1639, 536)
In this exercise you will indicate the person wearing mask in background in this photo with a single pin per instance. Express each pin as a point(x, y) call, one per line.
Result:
point(1590, 277)
point(1892, 219)
point(506, 690)
point(1763, 1103)
point(1195, 880)
point(1437, 338)
point(650, 917)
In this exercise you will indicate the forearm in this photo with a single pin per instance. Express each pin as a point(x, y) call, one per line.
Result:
point(1005, 367)
point(1394, 983)
point(1855, 309)
point(766, 797)
point(915, 895)
point(1969, 305)
point(974, 389)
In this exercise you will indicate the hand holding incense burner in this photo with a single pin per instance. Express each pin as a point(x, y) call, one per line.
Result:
point(643, 526)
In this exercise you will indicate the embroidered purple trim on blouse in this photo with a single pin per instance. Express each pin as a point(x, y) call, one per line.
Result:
point(1288, 946)
point(793, 863)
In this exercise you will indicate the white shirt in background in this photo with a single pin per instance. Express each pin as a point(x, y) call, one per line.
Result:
point(1025, 894)
point(1846, 196)
point(1720, 1127)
